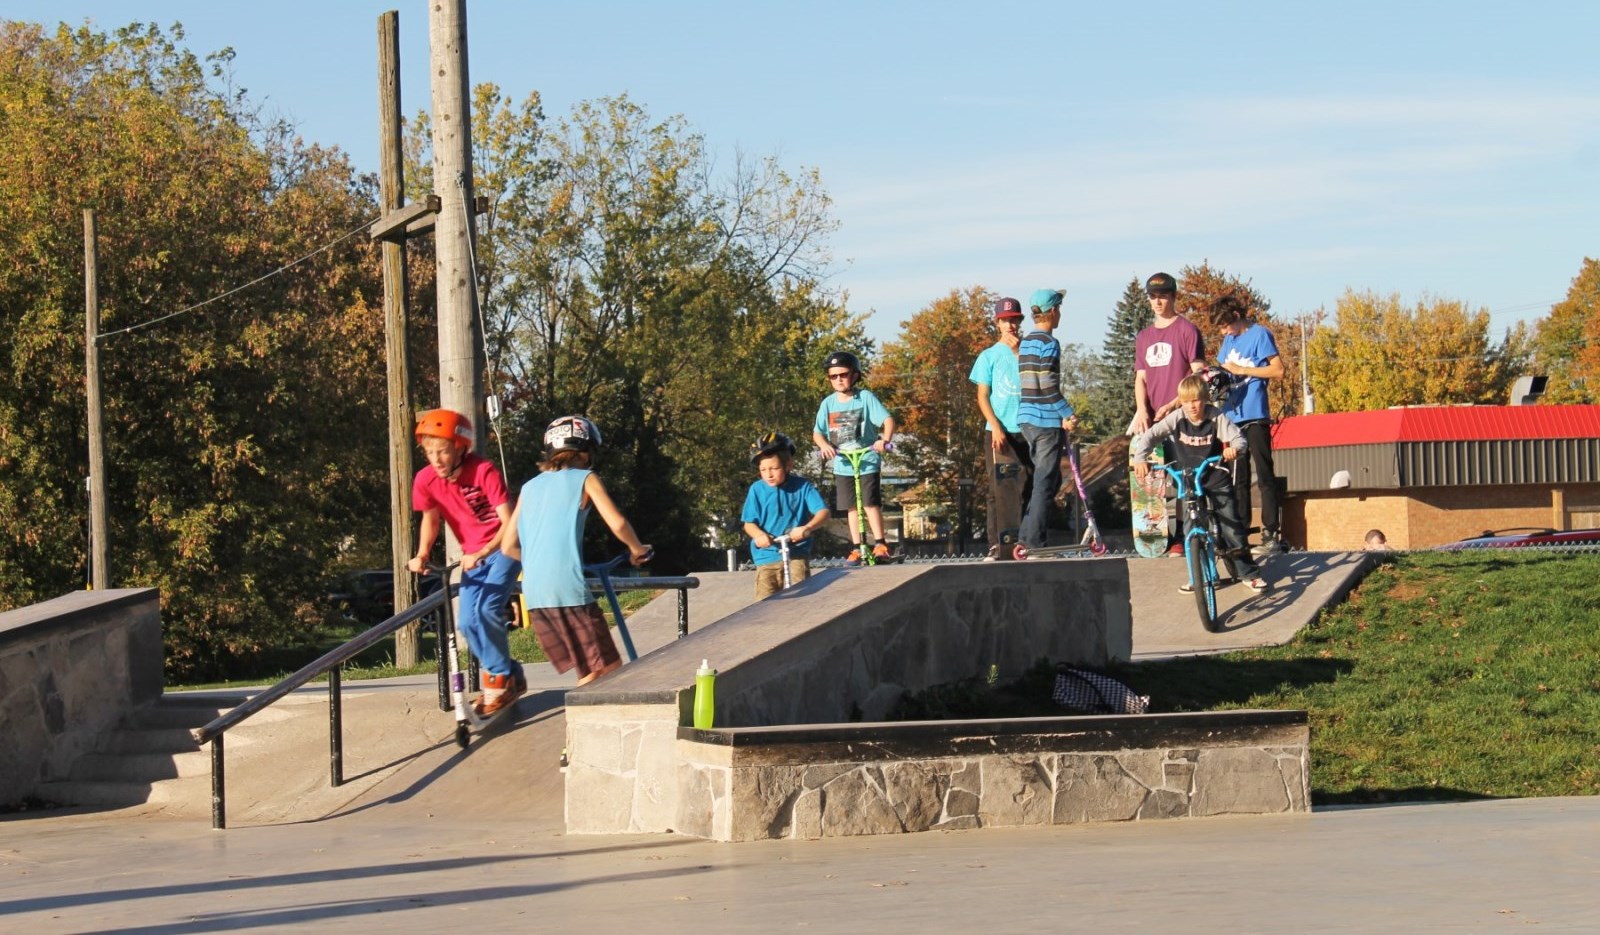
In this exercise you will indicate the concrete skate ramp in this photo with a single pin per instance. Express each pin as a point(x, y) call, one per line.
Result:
point(402, 762)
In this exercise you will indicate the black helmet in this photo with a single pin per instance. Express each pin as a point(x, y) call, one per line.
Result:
point(843, 359)
point(571, 433)
point(1219, 383)
point(771, 443)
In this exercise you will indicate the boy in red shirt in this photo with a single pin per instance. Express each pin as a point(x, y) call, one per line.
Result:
point(468, 493)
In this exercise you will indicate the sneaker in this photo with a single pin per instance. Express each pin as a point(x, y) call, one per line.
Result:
point(1186, 588)
point(1257, 584)
point(854, 558)
point(1175, 548)
point(880, 552)
point(1271, 544)
point(499, 692)
point(993, 555)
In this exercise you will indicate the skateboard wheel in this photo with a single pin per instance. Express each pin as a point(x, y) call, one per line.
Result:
point(1019, 552)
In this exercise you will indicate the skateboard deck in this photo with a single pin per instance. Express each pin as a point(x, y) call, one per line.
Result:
point(1007, 480)
point(1148, 498)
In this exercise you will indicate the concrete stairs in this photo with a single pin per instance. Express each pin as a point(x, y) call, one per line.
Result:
point(150, 759)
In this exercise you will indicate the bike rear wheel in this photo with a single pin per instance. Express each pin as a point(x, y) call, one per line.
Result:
point(1204, 579)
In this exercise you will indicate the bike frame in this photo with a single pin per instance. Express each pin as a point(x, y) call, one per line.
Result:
point(1199, 538)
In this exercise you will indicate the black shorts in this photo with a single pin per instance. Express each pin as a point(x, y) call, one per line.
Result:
point(844, 490)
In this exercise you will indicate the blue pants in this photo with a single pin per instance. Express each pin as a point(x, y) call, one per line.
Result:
point(485, 592)
point(1044, 448)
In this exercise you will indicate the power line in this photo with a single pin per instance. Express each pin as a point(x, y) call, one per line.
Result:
point(259, 279)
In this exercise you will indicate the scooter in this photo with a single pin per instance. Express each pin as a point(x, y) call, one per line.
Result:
point(468, 721)
point(603, 572)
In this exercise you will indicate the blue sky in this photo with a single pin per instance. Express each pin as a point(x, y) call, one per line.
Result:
point(1447, 149)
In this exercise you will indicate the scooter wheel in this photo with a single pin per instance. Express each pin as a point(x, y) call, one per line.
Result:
point(463, 734)
point(1019, 552)
point(1099, 548)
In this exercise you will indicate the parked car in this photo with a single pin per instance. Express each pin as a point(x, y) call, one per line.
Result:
point(1524, 537)
point(366, 597)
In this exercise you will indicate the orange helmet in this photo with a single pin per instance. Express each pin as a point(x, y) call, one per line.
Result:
point(447, 424)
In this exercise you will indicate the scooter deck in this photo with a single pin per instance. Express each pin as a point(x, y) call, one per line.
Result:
point(1022, 552)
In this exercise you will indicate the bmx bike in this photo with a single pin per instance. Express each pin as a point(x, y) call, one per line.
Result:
point(1200, 537)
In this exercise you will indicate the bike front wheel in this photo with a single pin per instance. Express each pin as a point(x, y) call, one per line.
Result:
point(1204, 580)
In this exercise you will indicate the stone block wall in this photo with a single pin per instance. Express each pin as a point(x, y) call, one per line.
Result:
point(71, 668)
point(838, 647)
point(746, 785)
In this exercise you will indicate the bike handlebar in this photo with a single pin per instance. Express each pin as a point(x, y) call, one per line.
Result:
point(1179, 473)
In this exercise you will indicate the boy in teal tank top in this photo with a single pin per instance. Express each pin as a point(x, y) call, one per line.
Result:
point(546, 533)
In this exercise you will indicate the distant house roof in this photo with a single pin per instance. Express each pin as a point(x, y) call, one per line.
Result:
point(1437, 424)
point(1439, 446)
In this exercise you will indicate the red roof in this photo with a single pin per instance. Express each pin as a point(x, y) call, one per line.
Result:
point(1437, 424)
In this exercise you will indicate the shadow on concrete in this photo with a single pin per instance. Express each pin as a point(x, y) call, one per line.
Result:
point(532, 713)
point(210, 922)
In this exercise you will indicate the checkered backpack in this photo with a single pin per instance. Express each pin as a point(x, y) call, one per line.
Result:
point(1093, 693)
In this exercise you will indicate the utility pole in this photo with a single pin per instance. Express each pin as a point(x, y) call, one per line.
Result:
point(460, 345)
point(1305, 379)
point(395, 328)
point(99, 547)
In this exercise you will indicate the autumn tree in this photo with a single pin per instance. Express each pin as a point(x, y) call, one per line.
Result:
point(1380, 353)
point(923, 380)
point(244, 427)
point(1566, 343)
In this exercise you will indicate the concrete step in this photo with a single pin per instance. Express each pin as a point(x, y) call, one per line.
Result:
point(182, 711)
point(141, 767)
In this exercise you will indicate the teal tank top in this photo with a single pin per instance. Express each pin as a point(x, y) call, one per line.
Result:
point(550, 528)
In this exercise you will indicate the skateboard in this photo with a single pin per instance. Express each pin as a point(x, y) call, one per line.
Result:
point(1148, 498)
point(1008, 480)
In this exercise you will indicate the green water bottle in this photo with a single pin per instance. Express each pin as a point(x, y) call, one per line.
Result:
point(705, 679)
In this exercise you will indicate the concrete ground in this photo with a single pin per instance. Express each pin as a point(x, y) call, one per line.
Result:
point(431, 836)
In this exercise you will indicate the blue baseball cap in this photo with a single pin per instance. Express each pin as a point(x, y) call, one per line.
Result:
point(1047, 299)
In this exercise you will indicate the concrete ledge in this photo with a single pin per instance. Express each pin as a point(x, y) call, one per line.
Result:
point(842, 646)
point(71, 668)
point(746, 784)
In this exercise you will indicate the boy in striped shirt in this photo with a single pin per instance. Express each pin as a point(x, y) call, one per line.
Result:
point(1044, 415)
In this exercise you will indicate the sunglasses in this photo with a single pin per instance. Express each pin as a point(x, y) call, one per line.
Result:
point(841, 376)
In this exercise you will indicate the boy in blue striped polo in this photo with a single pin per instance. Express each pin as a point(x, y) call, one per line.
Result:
point(1044, 414)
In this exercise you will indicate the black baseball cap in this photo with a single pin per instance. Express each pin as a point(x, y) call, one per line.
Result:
point(1161, 284)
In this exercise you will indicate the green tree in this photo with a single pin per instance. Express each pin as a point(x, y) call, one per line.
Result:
point(680, 308)
point(1566, 343)
point(1110, 404)
point(244, 453)
point(1381, 353)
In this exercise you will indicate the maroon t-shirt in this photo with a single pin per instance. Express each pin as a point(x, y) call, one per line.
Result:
point(1164, 354)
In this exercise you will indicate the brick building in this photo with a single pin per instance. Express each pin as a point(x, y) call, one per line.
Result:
point(1435, 474)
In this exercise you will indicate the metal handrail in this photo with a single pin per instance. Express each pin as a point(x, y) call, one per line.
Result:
point(330, 662)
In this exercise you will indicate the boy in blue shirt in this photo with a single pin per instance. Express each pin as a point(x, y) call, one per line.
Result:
point(851, 418)
point(780, 504)
point(1249, 353)
point(999, 393)
point(1043, 412)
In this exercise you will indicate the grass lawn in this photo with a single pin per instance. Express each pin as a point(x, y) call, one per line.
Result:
point(1444, 676)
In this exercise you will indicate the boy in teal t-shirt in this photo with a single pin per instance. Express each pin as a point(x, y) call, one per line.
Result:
point(780, 504)
point(849, 419)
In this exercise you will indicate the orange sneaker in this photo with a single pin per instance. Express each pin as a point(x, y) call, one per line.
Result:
point(499, 692)
point(880, 552)
point(854, 558)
